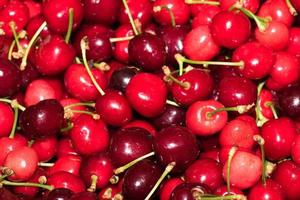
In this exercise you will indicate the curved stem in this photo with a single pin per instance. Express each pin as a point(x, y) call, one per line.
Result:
point(260, 118)
point(30, 44)
point(240, 109)
point(89, 104)
point(134, 28)
point(16, 115)
point(10, 50)
point(12, 26)
point(291, 8)
point(128, 165)
point(70, 25)
point(93, 185)
point(95, 116)
point(272, 107)
point(121, 39)
point(227, 197)
point(212, 3)
point(84, 46)
point(27, 184)
point(159, 8)
point(186, 85)
point(69, 127)
point(11, 102)
point(261, 143)
point(230, 156)
point(261, 23)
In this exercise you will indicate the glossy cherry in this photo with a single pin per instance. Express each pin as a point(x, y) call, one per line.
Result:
point(205, 16)
point(271, 190)
point(288, 101)
point(294, 43)
point(168, 187)
point(68, 163)
point(252, 5)
point(6, 119)
point(10, 78)
point(65, 147)
point(188, 191)
point(142, 124)
point(176, 144)
point(46, 148)
point(59, 194)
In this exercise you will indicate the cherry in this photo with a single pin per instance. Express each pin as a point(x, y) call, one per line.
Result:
point(171, 116)
point(142, 124)
point(89, 136)
point(56, 14)
point(68, 163)
point(258, 60)
point(4, 46)
point(147, 94)
point(294, 43)
point(42, 89)
point(120, 78)
point(251, 5)
point(198, 121)
point(230, 29)
point(287, 173)
point(205, 16)
point(65, 148)
point(46, 148)
point(128, 144)
point(211, 154)
point(10, 78)
point(109, 11)
point(234, 91)
point(279, 135)
point(271, 190)
point(222, 191)
point(237, 133)
point(147, 51)
point(35, 8)
point(180, 10)
point(200, 45)
point(73, 104)
point(288, 101)
point(140, 179)
point(295, 150)
point(28, 75)
point(173, 38)
point(176, 144)
point(168, 187)
point(66, 180)
point(21, 163)
point(33, 25)
point(206, 172)
point(14, 11)
point(84, 196)
point(7, 195)
point(244, 169)
point(54, 49)
point(198, 86)
point(6, 119)
point(43, 119)
point(114, 102)
point(79, 84)
point(100, 48)
point(188, 191)
point(59, 194)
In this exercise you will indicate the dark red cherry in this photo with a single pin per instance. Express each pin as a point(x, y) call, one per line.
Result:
point(120, 78)
point(168, 186)
point(4, 46)
point(147, 51)
point(234, 91)
point(289, 101)
point(172, 115)
point(279, 135)
point(270, 191)
point(56, 13)
point(188, 191)
point(176, 144)
point(7, 194)
point(43, 119)
point(84, 196)
point(128, 144)
point(59, 194)
point(10, 77)
point(98, 165)
point(140, 179)
point(114, 109)
point(109, 11)
point(230, 29)
point(147, 94)
point(89, 136)
point(205, 171)
point(28, 75)
point(53, 55)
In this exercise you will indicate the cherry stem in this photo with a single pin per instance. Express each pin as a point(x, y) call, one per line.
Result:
point(89, 104)
point(168, 169)
point(181, 59)
point(114, 179)
point(103, 66)
point(134, 28)
point(85, 46)
point(14, 104)
point(70, 25)
point(10, 50)
point(159, 8)
point(260, 118)
point(27, 184)
point(30, 44)
point(230, 156)
point(3, 177)
point(43, 164)
point(291, 8)
point(93, 186)
point(213, 197)
point(172, 103)
point(70, 113)
point(240, 109)
point(121, 39)
point(186, 85)
point(12, 26)
point(69, 127)
point(123, 168)
point(212, 3)
point(260, 140)
point(272, 107)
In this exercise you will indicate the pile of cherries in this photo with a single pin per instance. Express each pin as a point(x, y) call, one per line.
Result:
point(149, 99)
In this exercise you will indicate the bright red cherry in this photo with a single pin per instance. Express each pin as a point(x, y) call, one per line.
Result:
point(65, 147)
point(296, 150)
point(168, 187)
point(147, 94)
point(205, 16)
point(46, 148)
point(121, 47)
point(6, 119)
point(68, 163)
point(294, 43)
point(251, 5)
point(270, 191)
point(142, 124)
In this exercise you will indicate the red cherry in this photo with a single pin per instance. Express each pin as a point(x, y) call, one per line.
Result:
point(265, 97)
point(65, 148)
point(294, 43)
point(66, 180)
point(251, 5)
point(230, 29)
point(68, 163)
point(110, 192)
point(56, 13)
point(23, 162)
point(121, 47)
point(33, 26)
point(205, 17)
point(72, 101)
point(296, 150)
point(45, 148)
point(142, 124)
point(198, 121)
point(147, 94)
point(168, 187)
point(270, 191)
point(6, 119)
point(89, 136)
point(199, 44)
point(35, 8)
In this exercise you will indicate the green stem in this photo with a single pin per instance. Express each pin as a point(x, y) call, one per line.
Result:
point(16, 115)
point(70, 25)
point(261, 23)
point(89, 104)
point(84, 47)
point(93, 185)
point(227, 197)
point(230, 156)
point(27, 184)
point(120, 39)
point(159, 8)
point(212, 3)
point(10, 50)
point(30, 44)
point(186, 85)
point(261, 143)
point(42, 164)
point(260, 119)
point(291, 8)
point(172, 103)
point(11, 102)
point(134, 28)
point(95, 116)
point(240, 109)
point(12, 26)
point(69, 127)
point(168, 169)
